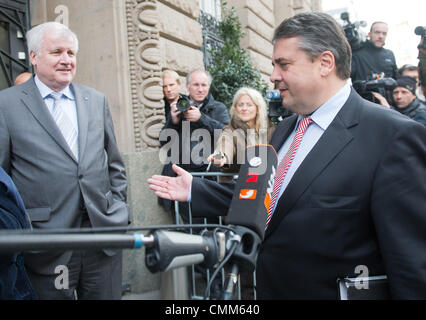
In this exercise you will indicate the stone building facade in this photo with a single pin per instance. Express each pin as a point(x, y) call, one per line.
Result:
point(124, 47)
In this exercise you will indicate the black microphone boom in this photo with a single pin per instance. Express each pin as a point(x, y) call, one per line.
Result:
point(11, 242)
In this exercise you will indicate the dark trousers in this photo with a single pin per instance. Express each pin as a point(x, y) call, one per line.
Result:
point(89, 275)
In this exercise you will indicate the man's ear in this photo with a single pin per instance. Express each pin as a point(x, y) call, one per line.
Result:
point(327, 63)
point(33, 57)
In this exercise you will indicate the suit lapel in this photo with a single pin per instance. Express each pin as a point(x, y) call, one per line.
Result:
point(331, 143)
point(82, 101)
point(34, 102)
point(282, 132)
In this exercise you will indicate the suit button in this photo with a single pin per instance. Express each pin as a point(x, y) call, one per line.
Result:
point(80, 177)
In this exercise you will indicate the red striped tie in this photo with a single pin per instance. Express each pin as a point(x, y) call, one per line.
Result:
point(286, 162)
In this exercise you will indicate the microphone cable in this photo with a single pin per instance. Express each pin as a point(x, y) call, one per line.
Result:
point(220, 266)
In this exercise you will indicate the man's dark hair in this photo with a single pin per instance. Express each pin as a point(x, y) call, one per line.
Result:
point(407, 67)
point(318, 32)
point(376, 22)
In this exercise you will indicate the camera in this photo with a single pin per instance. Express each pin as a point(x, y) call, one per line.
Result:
point(382, 85)
point(351, 31)
point(276, 110)
point(421, 31)
point(184, 103)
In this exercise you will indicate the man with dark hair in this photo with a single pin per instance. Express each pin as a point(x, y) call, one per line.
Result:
point(372, 58)
point(353, 196)
point(406, 101)
point(412, 71)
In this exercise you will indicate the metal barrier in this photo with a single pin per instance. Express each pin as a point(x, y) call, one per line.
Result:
point(197, 283)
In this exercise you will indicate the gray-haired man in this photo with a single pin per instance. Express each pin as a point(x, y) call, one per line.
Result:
point(57, 143)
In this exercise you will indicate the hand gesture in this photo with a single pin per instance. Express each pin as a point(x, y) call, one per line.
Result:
point(193, 114)
point(172, 188)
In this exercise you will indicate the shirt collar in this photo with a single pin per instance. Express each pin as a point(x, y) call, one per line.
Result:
point(326, 113)
point(45, 90)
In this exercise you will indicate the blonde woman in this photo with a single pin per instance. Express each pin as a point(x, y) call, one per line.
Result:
point(249, 125)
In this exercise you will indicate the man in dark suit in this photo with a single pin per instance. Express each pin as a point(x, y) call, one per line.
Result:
point(354, 196)
point(57, 143)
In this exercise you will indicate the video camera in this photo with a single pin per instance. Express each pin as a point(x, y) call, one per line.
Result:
point(351, 31)
point(184, 103)
point(276, 110)
point(379, 84)
point(421, 31)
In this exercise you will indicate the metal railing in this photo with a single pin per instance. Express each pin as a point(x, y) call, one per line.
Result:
point(198, 280)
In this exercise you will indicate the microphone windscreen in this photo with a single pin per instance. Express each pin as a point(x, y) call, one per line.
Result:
point(253, 189)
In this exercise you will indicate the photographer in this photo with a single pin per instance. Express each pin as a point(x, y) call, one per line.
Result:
point(405, 100)
point(202, 112)
point(372, 58)
point(412, 71)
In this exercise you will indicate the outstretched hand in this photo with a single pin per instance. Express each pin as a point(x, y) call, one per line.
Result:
point(172, 188)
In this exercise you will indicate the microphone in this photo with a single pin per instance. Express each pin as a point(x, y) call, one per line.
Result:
point(165, 250)
point(253, 189)
point(248, 211)
point(11, 242)
point(172, 250)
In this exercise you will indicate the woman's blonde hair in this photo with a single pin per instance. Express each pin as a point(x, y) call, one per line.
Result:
point(261, 121)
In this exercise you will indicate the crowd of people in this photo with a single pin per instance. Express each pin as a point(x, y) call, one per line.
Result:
point(350, 193)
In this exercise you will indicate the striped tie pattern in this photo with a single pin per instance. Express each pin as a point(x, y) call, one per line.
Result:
point(64, 123)
point(285, 164)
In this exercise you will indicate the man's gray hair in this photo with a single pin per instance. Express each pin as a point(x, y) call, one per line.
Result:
point(35, 35)
point(319, 32)
point(209, 76)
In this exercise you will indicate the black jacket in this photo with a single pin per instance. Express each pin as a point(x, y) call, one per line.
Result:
point(372, 60)
point(214, 115)
point(332, 218)
point(416, 111)
point(14, 281)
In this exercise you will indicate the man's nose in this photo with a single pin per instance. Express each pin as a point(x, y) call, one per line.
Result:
point(65, 58)
point(274, 76)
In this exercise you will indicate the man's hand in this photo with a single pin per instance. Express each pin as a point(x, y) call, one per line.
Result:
point(193, 114)
point(175, 113)
point(172, 188)
point(381, 99)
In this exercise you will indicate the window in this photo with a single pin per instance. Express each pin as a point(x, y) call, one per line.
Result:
point(212, 7)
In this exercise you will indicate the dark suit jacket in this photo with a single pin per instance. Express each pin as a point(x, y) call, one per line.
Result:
point(358, 198)
point(56, 188)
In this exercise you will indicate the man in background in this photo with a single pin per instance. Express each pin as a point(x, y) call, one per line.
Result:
point(204, 112)
point(171, 89)
point(372, 58)
point(22, 78)
point(413, 71)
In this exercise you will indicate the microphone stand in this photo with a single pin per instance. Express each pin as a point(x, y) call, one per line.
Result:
point(243, 258)
point(228, 293)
